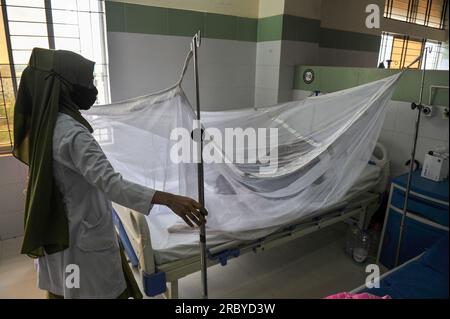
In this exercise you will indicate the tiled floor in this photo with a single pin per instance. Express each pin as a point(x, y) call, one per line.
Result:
point(310, 267)
point(17, 274)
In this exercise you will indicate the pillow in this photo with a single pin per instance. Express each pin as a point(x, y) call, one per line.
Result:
point(436, 257)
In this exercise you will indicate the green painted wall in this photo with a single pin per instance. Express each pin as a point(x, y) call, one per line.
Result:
point(270, 28)
point(331, 79)
point(133, 18)
point(301, 29)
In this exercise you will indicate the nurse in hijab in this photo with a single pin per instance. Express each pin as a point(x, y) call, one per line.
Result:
point(68, 220)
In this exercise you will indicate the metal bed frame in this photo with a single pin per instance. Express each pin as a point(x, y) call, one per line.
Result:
point(163, 278)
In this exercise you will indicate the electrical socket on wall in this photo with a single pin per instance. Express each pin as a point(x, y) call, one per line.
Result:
point(428, 110)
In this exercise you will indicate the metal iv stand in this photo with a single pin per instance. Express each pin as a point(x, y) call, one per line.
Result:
point(195, 44)
point(419, 108)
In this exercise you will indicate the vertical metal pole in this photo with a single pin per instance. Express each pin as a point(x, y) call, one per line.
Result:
point(49, 18)
point(9, 47)
point(412, 159)
point(201, 193)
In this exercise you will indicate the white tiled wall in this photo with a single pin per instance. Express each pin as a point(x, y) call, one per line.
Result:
point(275, 68)
point(12, 198)
point(398, 134)
point(267, 73)
point(143, 63)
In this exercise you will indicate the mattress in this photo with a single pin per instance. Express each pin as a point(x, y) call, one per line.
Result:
point(171, 240)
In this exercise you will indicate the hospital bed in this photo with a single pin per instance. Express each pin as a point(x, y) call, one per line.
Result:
point(163, 257)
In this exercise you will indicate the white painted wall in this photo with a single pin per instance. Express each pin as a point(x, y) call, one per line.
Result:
point(304, 8)
point(348, 58)
point(12, 198)
point(268, 8)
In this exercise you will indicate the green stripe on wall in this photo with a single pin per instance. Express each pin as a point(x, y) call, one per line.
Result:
point(219, 26)
point(332, 79)
point(132, 18)
point(125, 17)
point(247, 29)
point(185, 23)
point(301, 29)
point(115, 16)
point(270, 28)
point(145, 19)
point(338, 39)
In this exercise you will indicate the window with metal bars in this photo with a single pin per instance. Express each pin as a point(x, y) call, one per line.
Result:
point(75, 25)
point(430, 13)
point(398, 51)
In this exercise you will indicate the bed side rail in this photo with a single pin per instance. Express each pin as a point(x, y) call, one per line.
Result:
point(222, 253)
point(125, 240)
point(138, 248)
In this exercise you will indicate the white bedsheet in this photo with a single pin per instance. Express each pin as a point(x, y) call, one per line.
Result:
point(168, 246)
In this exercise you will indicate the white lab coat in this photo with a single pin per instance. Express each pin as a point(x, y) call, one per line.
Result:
point(88, 183)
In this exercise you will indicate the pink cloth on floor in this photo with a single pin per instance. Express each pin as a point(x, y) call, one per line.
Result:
point(347, 295)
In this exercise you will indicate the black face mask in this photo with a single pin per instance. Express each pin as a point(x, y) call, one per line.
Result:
point(83, 96)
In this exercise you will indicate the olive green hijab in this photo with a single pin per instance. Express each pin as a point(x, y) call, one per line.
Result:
point(44, 90)
point(47, 87)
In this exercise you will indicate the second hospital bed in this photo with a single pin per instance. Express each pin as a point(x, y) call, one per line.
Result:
point(422, 277)
point(163, 256)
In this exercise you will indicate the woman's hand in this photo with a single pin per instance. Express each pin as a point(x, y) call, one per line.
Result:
point(187, 208)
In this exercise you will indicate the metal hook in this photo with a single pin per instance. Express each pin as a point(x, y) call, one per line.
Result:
point(197, 38)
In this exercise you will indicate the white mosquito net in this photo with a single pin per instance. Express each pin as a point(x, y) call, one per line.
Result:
point(323, 144)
